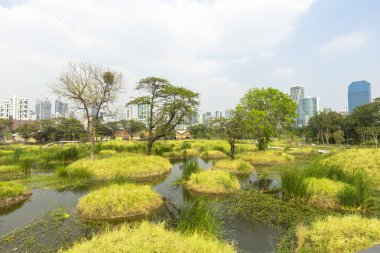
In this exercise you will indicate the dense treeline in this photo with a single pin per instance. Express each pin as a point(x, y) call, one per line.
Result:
point(361, 127)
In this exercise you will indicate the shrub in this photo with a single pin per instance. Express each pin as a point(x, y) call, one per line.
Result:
point(339, 234)
point(150, 238)
point(212, 182)
point(237, 166)
point(267, 158)
point(117, 202)
point(200, 217)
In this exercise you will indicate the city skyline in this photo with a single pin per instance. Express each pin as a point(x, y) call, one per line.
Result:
point(198, 44)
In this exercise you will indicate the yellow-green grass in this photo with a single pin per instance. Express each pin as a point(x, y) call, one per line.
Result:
point(150, 238)
point(324, 192)
point(118, 202)
point(267, 157)
point(339, 234)
point(356, 160)
point(213, 154)
point(301, 151)
point(182, 153)
point(212, 182)
point(120, 145)
point(237, 166)
point(12, 193)
point(106, 153)
point(9, 170)
point(123, 167)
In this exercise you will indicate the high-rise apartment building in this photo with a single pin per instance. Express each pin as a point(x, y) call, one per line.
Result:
point(359, 93)
point(143, 113)
point(15, 108)
point(207, 118)
point(297, 93)
point(61, 109)
point(43, 109)
point(307, 108)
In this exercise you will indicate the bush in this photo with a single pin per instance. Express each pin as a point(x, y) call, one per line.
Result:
point(150, 238)
point(339, 234)
point(117, 202)
point(212, 182)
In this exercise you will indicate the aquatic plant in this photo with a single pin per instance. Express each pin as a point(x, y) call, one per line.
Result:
point(212, 182)
point(150, 238)
point(201, 217)
point(189, 167)
point(117, 202)
point(236, 166)
point(345, 234)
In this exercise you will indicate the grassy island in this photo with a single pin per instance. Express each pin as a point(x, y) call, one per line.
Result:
point(12, 193)
point(119, 202)
point(213, 154)
point(267, 157)
point(237, 166)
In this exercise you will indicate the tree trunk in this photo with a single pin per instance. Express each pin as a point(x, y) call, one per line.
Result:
point(149, 146)
point(232, 149)
point(93, 142)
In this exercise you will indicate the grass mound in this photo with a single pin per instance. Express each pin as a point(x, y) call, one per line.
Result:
point(339, 234)
point(118, 202)
point(267, 158)
point(237, 166)
point(106, 153)
point(213, 154)
point(181, 154)
point(121, 146)
point(10, 171)
point(212, 182)
point(324, 192)
point(150, 238)
point(356, 161)
point(12, 193)
point(122, 167)
point(302, 151)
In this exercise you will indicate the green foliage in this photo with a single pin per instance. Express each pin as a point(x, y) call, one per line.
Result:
point(265, 110)
point(338, 136)
point(169, 106)
point(293, 184)
point(161, 148)
point(200, 217)
point(133, 127)
point(189, 167)
point(11, 189)
point(185, 145)
point(26, 163)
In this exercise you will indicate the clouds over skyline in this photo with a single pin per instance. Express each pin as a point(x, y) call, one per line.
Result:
point(345, 43)
point(219, 48)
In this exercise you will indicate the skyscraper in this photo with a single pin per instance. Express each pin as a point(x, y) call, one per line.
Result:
point(359, 93)
point(307, 108)
point(43, 109)
point(297, 93)
point(61, 109)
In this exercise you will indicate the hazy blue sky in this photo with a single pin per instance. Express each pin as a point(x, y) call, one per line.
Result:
point(219, 48)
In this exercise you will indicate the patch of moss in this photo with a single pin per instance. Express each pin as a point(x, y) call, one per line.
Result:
point(150, 238)
point(118, 202)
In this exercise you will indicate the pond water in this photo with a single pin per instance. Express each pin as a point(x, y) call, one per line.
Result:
point(248, 236)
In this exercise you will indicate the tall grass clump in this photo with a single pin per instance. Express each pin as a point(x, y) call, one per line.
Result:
point(148, 237)
point(11, 189)
point(121, 146)
point(189, 167)
point(293, 184)
point(236, 166)
point(200, 217)
point(213, 154)
point(185, 145)
point(345, 234)
point(160, 149)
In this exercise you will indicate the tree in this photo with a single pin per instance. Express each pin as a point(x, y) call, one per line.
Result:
point(233, 127)
point(168, 106)
point(133, 127)
point(26, 131)
point(267, 110)
point(338, 136)
point(367, 120)
point(324, 124)
point(5, 125)
point(93, 89)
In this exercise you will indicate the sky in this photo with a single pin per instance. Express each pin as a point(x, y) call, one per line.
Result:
point(219, 48)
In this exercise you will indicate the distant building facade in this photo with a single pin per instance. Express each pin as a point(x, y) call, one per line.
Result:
point(15, 108)
point(61, 109)
point(43, 109)
point(207, 118)
point(143, 113)
point(359, 93)
point(297, 93)
point(307, 108)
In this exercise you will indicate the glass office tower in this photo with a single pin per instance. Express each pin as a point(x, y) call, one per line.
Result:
point(359, 93)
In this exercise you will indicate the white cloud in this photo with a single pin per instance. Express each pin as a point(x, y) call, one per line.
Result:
point(187, 41)
point(345, 43)
point(284, 72)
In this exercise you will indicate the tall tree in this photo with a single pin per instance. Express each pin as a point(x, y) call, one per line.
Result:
point(233, 127)
point(133, 127)
point(169, 106)
point(93, 89)
point(266, 111)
